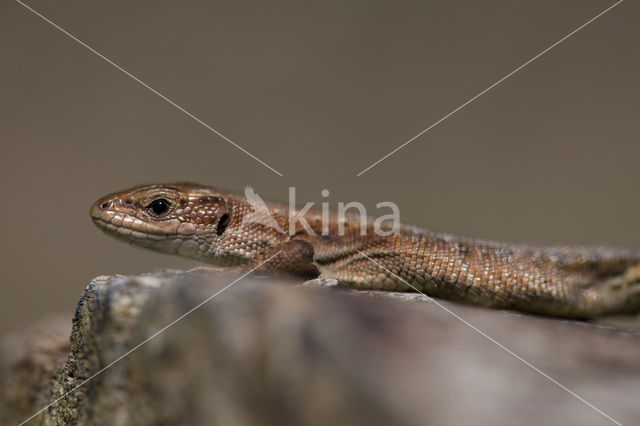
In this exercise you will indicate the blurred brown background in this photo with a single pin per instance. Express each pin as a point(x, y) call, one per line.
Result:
point(318, 91)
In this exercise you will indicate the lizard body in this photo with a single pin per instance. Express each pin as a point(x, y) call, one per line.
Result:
point(206, 224)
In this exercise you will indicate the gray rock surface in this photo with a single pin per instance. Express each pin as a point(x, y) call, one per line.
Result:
point(29, 360)
point(271, 352)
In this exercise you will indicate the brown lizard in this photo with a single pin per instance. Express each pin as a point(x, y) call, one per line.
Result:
point(206, 224)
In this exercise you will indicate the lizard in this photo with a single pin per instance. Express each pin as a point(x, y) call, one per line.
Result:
point(208, 224)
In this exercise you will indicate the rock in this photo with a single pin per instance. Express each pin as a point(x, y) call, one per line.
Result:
point(188, 348)
point(29, 360)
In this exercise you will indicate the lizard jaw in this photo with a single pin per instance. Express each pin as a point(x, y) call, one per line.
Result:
point(166, 236)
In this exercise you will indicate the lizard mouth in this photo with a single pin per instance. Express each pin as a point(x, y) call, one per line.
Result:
point(140, 236)
point(131, 228)
point(167, 236)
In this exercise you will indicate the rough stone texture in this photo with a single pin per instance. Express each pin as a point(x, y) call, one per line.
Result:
point(265, 352)
point(28, 362)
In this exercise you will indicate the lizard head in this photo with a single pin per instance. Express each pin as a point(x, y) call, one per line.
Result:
point(185, 219)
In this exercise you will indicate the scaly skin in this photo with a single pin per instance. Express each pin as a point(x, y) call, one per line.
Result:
point(205, 223)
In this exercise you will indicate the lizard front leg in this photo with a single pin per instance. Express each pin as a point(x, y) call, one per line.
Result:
point(294, 258)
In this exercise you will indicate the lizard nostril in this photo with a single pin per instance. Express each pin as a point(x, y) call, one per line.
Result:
point(104, 205)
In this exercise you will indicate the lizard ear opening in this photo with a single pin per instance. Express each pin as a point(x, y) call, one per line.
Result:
point(222, 224)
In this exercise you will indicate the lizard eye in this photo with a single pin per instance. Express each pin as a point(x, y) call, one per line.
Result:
point(159, 206)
